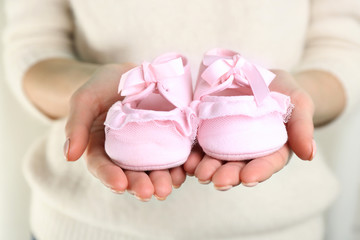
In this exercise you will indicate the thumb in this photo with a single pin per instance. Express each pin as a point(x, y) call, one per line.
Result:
point(301, 127)
point(88, 103)
point(83, 111)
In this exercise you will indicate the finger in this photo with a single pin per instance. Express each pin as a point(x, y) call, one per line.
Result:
point(228, 175)
point(140, 185)
point(79, 123)
point(301, 128)
point(206, 169)
point(261, 169)
point(178, 176)
point(193, 160)
point(101, 166)
point(88, 102)
point(162, 183)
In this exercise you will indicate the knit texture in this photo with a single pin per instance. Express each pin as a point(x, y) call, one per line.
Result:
point(291, 35)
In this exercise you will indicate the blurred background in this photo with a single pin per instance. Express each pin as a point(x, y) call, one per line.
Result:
point(18, 129)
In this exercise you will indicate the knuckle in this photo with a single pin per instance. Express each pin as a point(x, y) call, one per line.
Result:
point(84, 98)
point(96, 169)
point(303, 100)
point(79, 96)
point(271, 164)
point(300, 96)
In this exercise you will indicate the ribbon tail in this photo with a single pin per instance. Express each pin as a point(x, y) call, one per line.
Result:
point(257, 83)
point(267, 75)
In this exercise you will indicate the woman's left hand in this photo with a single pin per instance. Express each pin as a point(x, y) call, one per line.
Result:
point(300, 128)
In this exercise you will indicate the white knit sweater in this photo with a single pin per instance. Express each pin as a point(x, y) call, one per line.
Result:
point(68, 203)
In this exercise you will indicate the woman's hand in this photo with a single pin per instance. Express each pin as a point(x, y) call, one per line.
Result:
point(300, 128)
point(85, 131)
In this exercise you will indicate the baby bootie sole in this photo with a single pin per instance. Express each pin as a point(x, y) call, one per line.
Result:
point(150, 167)
point(241, 156)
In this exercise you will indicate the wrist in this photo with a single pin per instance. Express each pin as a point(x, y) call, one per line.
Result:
point(49, 84)
point(326, 92)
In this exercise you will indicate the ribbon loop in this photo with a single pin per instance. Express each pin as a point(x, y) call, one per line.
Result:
point(140, 78)
point(235, 69)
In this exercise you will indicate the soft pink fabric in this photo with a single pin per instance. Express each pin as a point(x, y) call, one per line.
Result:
point(168, 75)
point(222, 69)
point(241, 137)
point(153, 127)
point(240, 118)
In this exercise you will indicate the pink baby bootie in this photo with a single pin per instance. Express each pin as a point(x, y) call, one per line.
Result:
point(239, 118)
point(153, 127)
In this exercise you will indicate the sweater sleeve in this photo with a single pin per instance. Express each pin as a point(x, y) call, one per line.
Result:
point(35, 30)
point(333, 44)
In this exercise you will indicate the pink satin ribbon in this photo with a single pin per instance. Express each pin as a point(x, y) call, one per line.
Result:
point(149, 75)
point(226, 70)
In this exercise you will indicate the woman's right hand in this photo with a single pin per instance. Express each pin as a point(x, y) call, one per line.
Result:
point(85, 132)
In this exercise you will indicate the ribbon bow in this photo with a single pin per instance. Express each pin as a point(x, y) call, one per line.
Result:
point(222, 70)
point(148, 75)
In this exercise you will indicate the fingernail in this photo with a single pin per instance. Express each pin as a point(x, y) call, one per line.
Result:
point(142, 199)
point(66, 149)
point(176, 186)
point(204, 181)
point(131, 192)
point(253, 184)
point(223, 188)
point(159, 198)
point(117, 191)
point(313, 150)
point(190, 174)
